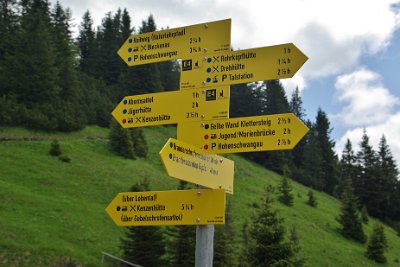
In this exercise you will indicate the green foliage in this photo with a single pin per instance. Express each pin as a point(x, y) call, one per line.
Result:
point(223, 251)
point(298, 152)
point(86, 43)
point(390, 184)
point(139, 142)
point(223, 241)
point(183, 245)
point(377, 244)
point(329, 159)
point(348, 169)
point(267, 246)
point(349, 218)
point(366, 182)
point(310, 172)
point(294, 237)
point(143, 245)
point(121, 141)
point(127, 143)
point(244, 100)
point(285, 189)
point(312, 201)
point(55, 149)
point(364, 214)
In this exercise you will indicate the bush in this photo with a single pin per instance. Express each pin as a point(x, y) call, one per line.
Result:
point(55, 149)
point(312, 201)
point(377, 245)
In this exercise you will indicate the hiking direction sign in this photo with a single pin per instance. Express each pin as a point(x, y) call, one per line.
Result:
point(177, 43)
point(175, 207)
point(242, 66)
point(187, 163)
point(247, 134)
point(173, 107)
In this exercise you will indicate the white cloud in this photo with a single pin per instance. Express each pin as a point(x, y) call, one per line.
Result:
point(291, 84)
point(390, 128)
point(367, 105)
point(366, 100)
point(333, 34)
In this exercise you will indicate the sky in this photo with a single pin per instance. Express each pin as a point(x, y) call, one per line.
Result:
point(353, 71)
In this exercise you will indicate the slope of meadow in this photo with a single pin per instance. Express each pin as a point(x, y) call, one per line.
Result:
point(52, 212)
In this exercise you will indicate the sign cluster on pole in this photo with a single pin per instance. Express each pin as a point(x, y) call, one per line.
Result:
point(201, 111)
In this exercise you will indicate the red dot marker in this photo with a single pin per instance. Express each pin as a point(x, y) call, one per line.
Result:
point(124, 121)
point(206, 136)
point(205, 147)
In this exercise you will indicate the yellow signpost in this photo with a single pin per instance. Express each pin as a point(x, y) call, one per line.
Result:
point(248, 134)
point(242, 66)
point(170, 44)
point(187, 163)
point(173, 107)
point(176, 207)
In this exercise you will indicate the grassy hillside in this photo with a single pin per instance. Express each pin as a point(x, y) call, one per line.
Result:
point(52, 212)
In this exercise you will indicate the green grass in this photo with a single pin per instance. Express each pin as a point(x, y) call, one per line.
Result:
point(52, 212)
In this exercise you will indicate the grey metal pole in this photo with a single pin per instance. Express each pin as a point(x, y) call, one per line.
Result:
point(204, 245)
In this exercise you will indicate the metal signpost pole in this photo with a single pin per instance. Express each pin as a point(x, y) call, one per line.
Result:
point(204, 245)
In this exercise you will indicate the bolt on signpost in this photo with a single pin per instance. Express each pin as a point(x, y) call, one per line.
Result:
point(201, 110)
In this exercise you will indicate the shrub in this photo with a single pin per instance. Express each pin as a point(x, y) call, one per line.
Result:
point(55, 149)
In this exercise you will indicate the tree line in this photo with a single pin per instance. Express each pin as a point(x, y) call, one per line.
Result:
point(313, 162)
point(52, 81)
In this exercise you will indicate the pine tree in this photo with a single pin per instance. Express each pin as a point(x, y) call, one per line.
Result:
point(55, 149)
point(184, 241)
point(275, 98)
point(348, 167)
point(311, 169)
point(31, 70)
point(9, 27)
point(296, 107)
point(244, 101)
point(139, 142)
point(275, 102)
point(223, 242)
point(329, 158)
point(152, 82)
point(285, 196)
point(87, 45)
point(9, 30)
point(125, 27)
point(364, 214)
point(267, 245)
point(121, 141)
point(245, 253)
point(389, 179)
point(368, 181)
point(312, 201)
point(143, 245)
point(377, 245)
point(349, 219)
point(70, 113)
point(108, 39)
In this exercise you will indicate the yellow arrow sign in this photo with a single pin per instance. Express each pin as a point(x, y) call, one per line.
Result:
point(177, 43)
point(248, 134)
point(173, 107)
point(176, 207)
point(243, 66)
point(186, 162)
